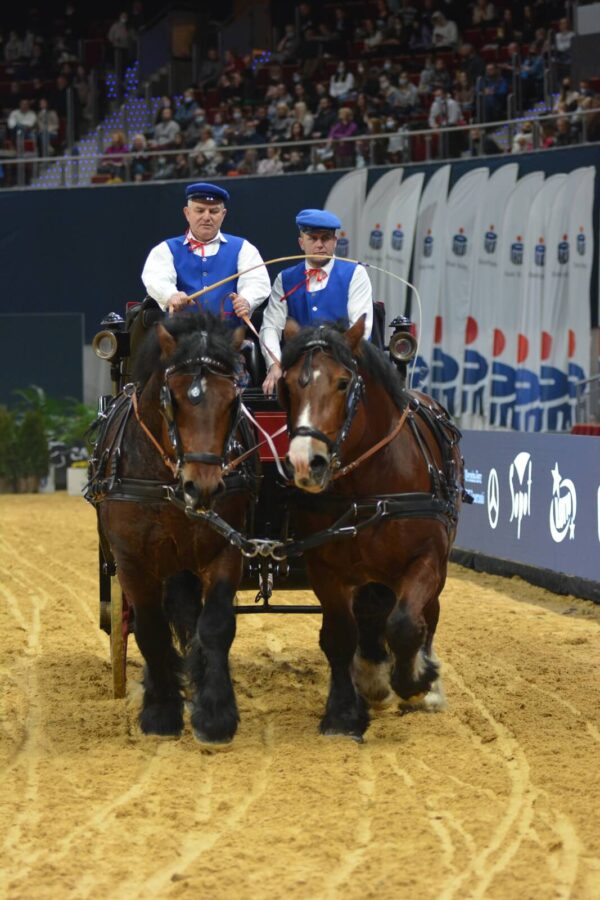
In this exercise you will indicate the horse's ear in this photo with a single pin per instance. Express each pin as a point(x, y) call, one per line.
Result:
point(166, 341)
point(354, 335)
point(291, 329)
point(238, 337)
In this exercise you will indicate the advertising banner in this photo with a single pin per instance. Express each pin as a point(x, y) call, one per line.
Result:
point(507, 300)
point(347, 199)
point(449, 341)
point(489, 248)
point(372, 231)
point(536, 500)
point(577, 320)
point(399, 240)
point(427, 269)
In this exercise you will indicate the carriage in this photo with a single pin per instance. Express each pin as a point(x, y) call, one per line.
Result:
point(272, 552)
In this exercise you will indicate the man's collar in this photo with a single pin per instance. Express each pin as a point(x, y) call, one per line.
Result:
point(326, 268)
point(219, 236)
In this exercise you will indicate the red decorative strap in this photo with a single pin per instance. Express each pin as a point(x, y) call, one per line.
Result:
point(318, 274)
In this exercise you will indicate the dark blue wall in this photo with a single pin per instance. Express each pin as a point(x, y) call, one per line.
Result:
point(82, 250)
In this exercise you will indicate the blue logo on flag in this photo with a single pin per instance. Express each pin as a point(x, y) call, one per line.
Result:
point(459, 245)
point(397, 239)
point(563, 252)
point(428, 245)
point(539, 254)
point(376, 239)
point(580, 244)
point(342, 248)
point(516, 253)
point(489, 242)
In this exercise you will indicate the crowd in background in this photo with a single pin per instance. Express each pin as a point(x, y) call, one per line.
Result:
point(382, 68)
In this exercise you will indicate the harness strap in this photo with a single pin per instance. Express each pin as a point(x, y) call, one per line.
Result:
point(375, 448)
point(165, 458)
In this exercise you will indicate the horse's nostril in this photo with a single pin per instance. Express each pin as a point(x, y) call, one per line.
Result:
point(288, 467)
point(190, 490)
point(318, 465)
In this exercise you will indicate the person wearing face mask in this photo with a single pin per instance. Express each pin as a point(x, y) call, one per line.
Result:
point(187, 109)
point(315, 290)
point(407, 99)
point(341, 84)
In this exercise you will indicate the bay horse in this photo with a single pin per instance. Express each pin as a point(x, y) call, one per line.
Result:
point(358, 436)
point(171, 435)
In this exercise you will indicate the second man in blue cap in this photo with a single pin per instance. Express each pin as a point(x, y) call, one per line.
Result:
point(316, 290)
point(203, 256)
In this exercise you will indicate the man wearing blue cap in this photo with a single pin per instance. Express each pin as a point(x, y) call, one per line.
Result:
point(203, 256)
point(315, 290)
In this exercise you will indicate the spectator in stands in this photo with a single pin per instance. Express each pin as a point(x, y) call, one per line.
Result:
point(164, 102)
point(231, 63)
point(210, 70)
point(506, 33)
point(81, 84)
point(523, 139)
point(484, 14)
point(442, 77)
point(272, 164)
point(140, 163)
point(444, 110)
point(547, 134)
point(464, 94)
point(206, 146)
point(262, 124)
point(527, 24)
point(338, 290)
point(22, 121)
point(47, 128)
point(445, 32)
point(249, 162)
point(113, 161)
point(407, 101)
point(564, 133)
point(325, 119)
point(304, 117)
point(316, 164)
point(370, 34)
point(388, 94)
point(532, 75)
point(181, 166)
point(341, 84)
point(165, 168)
point(566, 99)
point(13, 50)
point(345, 127)
point(421, 35)
point(164, 132)
point(471, 63)
point(187, 109)
point(427, 76)
point(288, 46)
point(297, 135)
point(341, 29)
point(119, 36)
point(483, 143)
point(494, 90)
point(281, 124)
point(562, 43)
point(277, 94)
point(194, 129)
point(396, 145)
point(394, 34)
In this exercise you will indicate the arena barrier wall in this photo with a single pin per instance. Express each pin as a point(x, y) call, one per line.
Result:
point(536, 509)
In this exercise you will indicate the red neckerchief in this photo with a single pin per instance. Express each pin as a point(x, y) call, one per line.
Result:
point(193, 244)
point(318, 274)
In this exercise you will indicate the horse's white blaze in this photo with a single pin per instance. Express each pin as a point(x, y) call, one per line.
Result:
point(300, 451)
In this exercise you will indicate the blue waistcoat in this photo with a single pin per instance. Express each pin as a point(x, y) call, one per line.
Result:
point(313, 307)
point(195, 272)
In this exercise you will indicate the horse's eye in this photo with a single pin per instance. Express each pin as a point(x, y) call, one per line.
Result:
point(342, 384)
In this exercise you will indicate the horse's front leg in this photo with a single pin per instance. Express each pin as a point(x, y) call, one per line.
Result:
point(346, 711)
point(162, 707)
point(214, 710)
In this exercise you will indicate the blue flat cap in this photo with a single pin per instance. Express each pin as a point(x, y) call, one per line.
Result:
point(203, 191)
point(307, 219)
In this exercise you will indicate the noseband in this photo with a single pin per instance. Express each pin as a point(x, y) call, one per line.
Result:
point(354, 393)
point(197, 366)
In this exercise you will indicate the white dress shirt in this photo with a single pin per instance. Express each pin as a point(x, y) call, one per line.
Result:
point(160, 278)
point(360, 300)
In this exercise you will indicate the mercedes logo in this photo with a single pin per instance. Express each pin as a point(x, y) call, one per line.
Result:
point(493, 498)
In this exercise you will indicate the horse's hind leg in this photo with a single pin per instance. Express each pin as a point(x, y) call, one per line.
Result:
point(214, 710)
point(162, 707)
point(371, 667)
point(409, 632)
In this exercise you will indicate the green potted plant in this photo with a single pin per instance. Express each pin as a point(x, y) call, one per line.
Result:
point(8, 451)
point(32, 450)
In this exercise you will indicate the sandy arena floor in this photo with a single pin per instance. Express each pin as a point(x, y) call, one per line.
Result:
point(498, 797)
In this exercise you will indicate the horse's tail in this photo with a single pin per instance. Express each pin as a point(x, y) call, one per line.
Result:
point(182, 603)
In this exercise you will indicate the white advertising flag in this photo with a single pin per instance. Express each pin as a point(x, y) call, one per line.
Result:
point(346, 200)
point(428, 269)
point(372, 235)
point(489, 243)
point(399, 231)
point(449, 344)
point(507, 309)
point(527, 413)
point(578, 323)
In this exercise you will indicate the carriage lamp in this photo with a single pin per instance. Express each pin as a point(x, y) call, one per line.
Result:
point(112, 343)
point(403, 344)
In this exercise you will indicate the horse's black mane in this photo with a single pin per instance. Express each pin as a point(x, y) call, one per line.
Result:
point(196, 334)
point(371, 360)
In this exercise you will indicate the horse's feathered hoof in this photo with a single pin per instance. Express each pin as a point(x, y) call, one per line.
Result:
point(351, 724)
point(212, 746)
point(162, 719)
